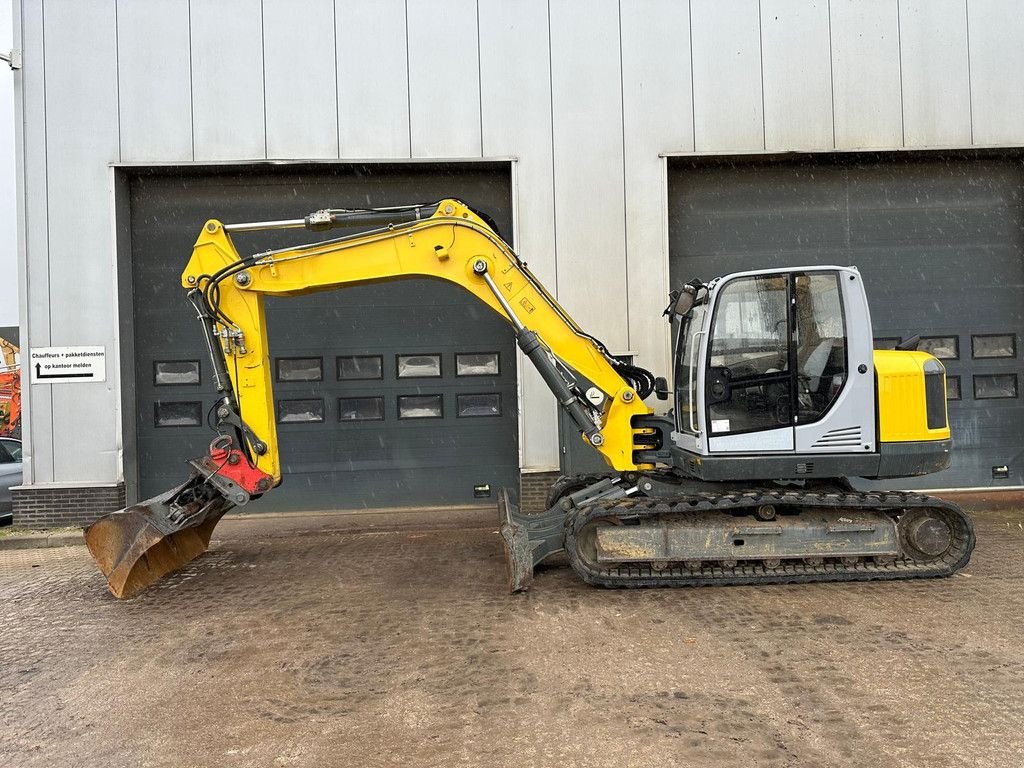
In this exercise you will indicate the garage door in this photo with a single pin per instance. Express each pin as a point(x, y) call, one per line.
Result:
point(939, 240)
point(395, 394)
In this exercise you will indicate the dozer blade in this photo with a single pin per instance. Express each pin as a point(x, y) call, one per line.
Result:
point(528, 540)
point(135, 547)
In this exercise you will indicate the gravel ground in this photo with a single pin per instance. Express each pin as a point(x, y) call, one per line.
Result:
point(373, 640)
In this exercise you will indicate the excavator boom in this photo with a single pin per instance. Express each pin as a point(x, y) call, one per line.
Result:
point(448, 241)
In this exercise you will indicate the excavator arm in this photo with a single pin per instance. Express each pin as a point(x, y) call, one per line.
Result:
point(447, 241)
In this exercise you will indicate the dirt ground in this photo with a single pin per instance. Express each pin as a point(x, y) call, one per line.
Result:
point(374, 640)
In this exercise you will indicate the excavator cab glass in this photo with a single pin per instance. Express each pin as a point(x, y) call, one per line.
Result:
point(819, 336)
point(776, 352)
point(687, 357)
point(747, 382)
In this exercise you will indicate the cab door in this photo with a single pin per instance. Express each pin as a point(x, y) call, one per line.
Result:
point(748, 377)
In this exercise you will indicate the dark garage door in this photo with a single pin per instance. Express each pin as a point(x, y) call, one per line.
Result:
point(939, 240)
point(395, 394)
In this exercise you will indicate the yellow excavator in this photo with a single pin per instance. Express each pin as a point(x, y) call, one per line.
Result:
point(778, 399)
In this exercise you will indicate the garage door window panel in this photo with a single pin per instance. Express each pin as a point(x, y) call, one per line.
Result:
point(360, 409)
point(426, 366)
point(477, 364)
point(360, 367)
point(300, 411)
point(477, 405)
point(942, 347)
point(178, 414)
point(952, 387)
point(987, 346)
point(420, 407)
point(748, 381)
point(300, 369)
point(169, 373)
point(995, 386)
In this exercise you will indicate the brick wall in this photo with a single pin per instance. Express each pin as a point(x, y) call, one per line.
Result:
point(533, 490)
point(57, 507)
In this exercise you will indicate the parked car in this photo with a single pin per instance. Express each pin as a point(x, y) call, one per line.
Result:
point(10, 475)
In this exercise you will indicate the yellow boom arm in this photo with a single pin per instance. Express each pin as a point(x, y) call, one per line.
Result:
point(452, 244)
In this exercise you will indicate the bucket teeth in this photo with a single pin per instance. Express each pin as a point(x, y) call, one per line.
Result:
point(135, 547)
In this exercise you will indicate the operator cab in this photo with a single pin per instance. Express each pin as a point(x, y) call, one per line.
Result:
point(777, 361)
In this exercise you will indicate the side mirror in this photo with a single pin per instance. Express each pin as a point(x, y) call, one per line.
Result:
point(684, 302)
point(661, 388)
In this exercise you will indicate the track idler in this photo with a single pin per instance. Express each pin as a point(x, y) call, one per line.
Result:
point(137, 546)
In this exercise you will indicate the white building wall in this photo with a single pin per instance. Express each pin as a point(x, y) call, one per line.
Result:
point(514, 41)
point(587, 96)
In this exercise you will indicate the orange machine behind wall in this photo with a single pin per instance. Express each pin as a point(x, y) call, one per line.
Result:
point(10, 390)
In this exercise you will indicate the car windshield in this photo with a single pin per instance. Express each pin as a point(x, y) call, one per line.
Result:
point(10, 451)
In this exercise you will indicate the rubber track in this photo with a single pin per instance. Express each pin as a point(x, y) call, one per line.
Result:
point(893, 504)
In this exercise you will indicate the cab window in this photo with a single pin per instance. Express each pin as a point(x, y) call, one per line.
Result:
point(819, 335)
point(748, 384)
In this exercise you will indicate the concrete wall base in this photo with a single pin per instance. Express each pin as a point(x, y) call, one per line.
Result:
point(54, 507)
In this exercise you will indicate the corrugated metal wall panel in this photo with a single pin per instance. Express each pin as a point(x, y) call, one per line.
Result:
point(589, 195)
point(608, 128)
point(796, 59)
point(657, 104)
point(996, 48)
point(513, 51)
point(727, 108)
point(301, 81)
point(227, 80)
point(37, 407)
point(81, 102)
point(866, 74)
point(444, 79)
point(936, 82)
point(373, 79)
point(154, 80)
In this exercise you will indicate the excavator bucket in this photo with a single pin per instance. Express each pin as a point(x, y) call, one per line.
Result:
point(135, 547)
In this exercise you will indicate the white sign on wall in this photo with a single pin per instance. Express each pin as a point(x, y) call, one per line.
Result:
point(60, 365)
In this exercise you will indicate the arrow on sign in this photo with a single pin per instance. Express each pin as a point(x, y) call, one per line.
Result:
point(41, 375)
